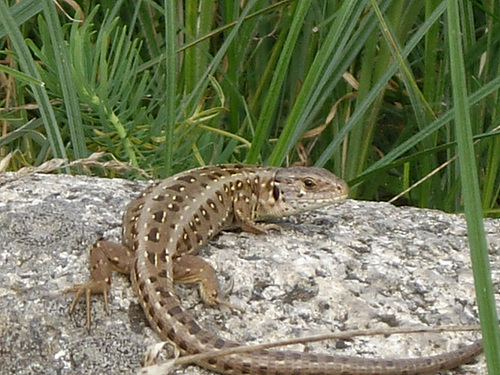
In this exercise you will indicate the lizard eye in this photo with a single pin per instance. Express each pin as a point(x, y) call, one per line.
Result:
point(308, 183)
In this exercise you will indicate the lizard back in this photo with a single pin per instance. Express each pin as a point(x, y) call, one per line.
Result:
point(181, 214)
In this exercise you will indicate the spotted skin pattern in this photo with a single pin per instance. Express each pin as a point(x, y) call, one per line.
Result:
point(171, 220)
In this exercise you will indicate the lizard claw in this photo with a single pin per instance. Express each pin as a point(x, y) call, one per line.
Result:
point(223, 302)
point(219, 300)
point(213, 298)
point(92, 287)
point(229, 287)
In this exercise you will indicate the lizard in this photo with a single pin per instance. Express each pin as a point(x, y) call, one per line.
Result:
point(164, 228)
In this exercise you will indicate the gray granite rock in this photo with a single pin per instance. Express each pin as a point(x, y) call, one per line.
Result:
point(357, 265)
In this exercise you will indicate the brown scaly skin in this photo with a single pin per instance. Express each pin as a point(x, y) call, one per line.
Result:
point(165, 226)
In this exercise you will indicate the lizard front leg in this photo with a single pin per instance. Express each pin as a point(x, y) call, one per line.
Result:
point(104, 256)
point(244, 216)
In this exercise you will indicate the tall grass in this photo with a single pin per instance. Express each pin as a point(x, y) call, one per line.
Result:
point(369, 89)
point(363, 88)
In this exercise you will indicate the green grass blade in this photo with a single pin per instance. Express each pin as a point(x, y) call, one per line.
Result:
point(171, 81)
point(414, 92)
point(417, 156)
point(445, 118)
point(68, 88)
point(27, 128)
point(373, 94)
point(490, 190)
point(316, 79)
point(21, 76)
point(189, 104)
point(471, 195)
point(21, 12)
point(29, 67)
point(273, 95)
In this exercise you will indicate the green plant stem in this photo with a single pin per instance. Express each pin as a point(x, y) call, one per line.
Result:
point(472, 203)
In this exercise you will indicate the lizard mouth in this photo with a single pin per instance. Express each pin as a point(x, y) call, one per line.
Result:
point(301, 204)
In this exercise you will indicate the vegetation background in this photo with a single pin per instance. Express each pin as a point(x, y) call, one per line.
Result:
point(387, 94)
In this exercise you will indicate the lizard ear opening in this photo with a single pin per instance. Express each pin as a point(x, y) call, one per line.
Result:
point(276, 192)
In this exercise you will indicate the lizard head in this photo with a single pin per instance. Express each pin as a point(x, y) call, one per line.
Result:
point(296, 189)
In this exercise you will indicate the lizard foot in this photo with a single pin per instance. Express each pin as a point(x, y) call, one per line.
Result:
point(89, 288)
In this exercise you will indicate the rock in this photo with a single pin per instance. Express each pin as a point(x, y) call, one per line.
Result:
point(357, 265)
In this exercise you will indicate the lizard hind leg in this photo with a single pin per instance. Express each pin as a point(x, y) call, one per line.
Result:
point(104, 256)
point(193, 269)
